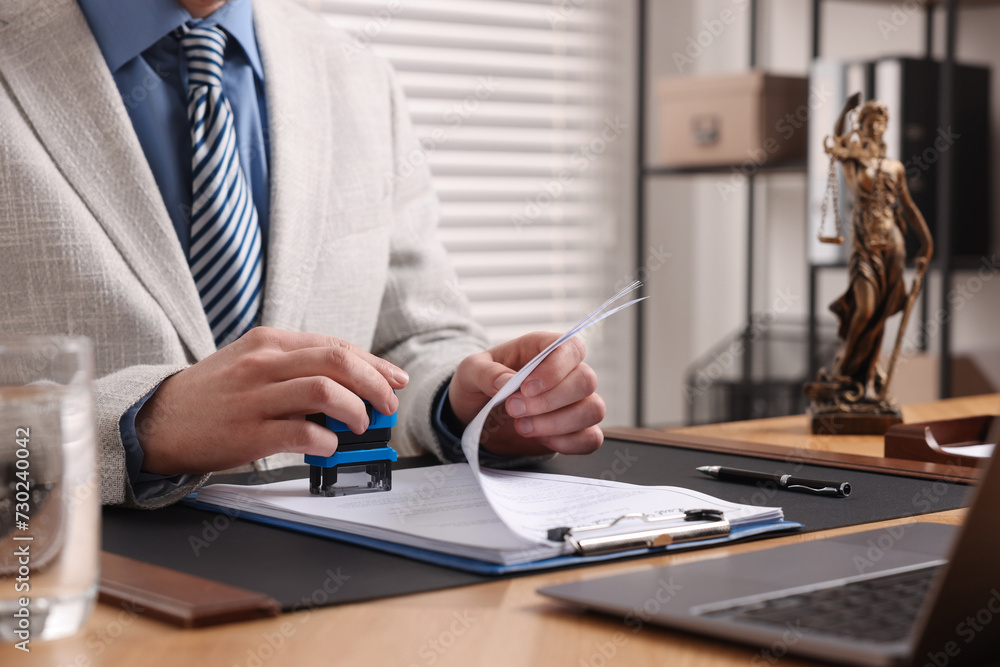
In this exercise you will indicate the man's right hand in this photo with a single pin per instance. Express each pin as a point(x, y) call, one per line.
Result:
point(248, 401)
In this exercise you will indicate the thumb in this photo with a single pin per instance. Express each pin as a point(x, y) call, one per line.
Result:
point(491, 376)
point(503, 379)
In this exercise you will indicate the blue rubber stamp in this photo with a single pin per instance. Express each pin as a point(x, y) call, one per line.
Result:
point(362, 462)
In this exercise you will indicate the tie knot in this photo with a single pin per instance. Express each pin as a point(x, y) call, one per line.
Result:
point(203, 48)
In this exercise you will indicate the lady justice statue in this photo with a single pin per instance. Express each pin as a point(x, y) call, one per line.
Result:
point(852, 397)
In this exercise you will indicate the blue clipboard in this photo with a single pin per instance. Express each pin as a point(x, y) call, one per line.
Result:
point(740, 532)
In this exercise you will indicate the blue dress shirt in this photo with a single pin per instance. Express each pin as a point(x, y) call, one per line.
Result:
point(150, 73)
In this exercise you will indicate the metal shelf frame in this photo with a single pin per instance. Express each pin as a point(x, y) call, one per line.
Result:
point(644, 172)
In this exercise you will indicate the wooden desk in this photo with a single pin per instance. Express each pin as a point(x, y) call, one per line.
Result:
point(500, 623)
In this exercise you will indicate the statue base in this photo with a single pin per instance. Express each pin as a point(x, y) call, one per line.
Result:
point(849, 423)
point(839, 409)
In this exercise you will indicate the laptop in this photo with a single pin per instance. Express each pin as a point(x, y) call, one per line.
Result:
point(918, 594)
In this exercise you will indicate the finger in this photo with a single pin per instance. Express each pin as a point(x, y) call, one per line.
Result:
point(578, 385)
point(268, 437)
point(584, 441)
point(485, 375)
point(288, 341)
point(554, 368)
point(299, 436)
point(342, 366)
point(305, 396)
point(582, 414)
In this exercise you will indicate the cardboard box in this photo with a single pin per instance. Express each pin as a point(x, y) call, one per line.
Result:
point(752, 118)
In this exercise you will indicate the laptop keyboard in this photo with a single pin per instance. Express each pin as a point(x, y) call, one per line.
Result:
point(880, 609)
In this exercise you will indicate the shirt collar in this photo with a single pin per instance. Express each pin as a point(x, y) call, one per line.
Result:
point(125, 28)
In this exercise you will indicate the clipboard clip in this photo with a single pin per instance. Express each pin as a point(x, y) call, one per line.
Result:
point(699, 524)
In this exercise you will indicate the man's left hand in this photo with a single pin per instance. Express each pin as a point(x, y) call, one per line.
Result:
point(556, 409)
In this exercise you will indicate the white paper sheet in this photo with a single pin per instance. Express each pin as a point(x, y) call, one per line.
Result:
point(443, 508)
point(506, 505)
point(981, 451)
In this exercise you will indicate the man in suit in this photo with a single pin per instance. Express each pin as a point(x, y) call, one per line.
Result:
point(346, 284)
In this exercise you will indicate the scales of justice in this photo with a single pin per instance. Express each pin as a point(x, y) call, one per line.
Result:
point(852, 396)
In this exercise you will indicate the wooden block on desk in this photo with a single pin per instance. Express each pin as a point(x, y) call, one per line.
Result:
point(176, 597)
point(923, 441)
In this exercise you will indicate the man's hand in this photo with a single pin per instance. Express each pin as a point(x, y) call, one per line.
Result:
point(556, 408)
point(247, 401)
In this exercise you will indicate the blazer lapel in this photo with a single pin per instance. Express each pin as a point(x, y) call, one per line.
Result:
point(55, 69)
point(304, 163)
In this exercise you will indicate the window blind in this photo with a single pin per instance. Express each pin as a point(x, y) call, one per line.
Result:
point(509, 99)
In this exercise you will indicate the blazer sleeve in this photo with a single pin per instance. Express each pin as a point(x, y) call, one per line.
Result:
point(114, 394)
point(424, 325)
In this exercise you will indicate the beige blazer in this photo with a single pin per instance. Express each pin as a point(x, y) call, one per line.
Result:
point(87, 247)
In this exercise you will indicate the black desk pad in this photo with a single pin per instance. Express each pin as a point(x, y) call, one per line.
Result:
point(304, 571)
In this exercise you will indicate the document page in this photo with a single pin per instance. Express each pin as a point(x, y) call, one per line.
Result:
point(490, 515)
point(532, 503)
point(443, 508)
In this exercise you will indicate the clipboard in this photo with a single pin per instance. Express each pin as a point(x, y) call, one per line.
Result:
point(632, 543)
point(699, 524)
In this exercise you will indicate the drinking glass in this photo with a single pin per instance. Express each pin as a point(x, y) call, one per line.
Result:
point(49, 488)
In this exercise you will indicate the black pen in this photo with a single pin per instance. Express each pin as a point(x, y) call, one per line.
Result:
point(787, 482)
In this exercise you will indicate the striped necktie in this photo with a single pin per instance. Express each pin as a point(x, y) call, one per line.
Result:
point(225, 249)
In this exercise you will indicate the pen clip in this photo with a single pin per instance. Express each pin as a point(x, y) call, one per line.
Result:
point(697, 524)
point(842, 491)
